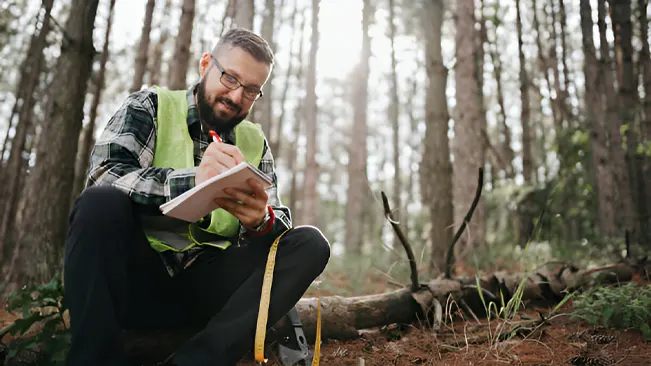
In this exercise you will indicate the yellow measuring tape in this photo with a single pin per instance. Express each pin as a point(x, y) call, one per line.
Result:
point(263, 312)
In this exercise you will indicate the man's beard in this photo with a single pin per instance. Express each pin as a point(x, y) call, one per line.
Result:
point(207, 114)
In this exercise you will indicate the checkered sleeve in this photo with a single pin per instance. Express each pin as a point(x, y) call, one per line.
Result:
point(124, 152)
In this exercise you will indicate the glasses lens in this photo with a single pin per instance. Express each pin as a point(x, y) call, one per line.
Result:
point(229, 81)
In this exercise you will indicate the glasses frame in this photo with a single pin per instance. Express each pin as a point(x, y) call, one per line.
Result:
point(235, 80)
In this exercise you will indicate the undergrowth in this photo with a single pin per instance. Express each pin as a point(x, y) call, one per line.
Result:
point(41, 307)
point(626, 306)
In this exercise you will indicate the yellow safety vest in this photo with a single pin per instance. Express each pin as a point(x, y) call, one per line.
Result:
point(174, 149)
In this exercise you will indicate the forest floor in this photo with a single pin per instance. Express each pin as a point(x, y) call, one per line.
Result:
point(564, 341)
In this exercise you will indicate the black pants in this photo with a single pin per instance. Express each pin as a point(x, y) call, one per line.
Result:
point(114, 281)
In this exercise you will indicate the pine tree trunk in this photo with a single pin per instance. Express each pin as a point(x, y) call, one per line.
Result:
point(436, 155)
point(357, 183)
point(43, 228)
point(596, 122)
point(26, 97)
point(527, 158)
point(244, 13)
point(87, 139)
point(263, 109)
point(627, 100)
point(468, 147)
point(645, 128)
point(180, 62)
point(277, 137)
point(505, 150)
point(309, 201)
point(143, 48)
point(394, 116)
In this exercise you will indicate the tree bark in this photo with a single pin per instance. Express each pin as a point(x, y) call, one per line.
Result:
point(623, 195)
point(505, 150)
point(42, 230)
point(309, 201)
point(179, 64)
point(143, 48)
point(645, 128)
point(357, 153)
point(155, 61)
point(25, 99)
point(527, 158)
point(394, 116)
point(627, 100)
point(87, 139)
point(263, 108)
point(596, 122)
point(244, 12)
point(277, 137)
point(468, 146)
point(436, 166)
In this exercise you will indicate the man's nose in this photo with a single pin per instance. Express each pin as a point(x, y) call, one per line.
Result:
point(236, 95)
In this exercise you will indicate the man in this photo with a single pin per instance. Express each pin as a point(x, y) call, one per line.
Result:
point(127, 266)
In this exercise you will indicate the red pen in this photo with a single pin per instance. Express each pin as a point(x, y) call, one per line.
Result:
point(215, 136)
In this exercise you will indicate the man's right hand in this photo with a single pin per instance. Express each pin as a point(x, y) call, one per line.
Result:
point(217, 158)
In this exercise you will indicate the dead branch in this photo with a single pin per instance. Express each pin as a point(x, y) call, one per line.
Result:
point(466, 220)
point(405, 243)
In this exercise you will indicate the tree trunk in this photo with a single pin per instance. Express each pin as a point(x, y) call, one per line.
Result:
point(505, 150)
point(244, 12)
point(623, 195)
point(277, 136)
point(596, 122)
point(394, 115)
point(179, 64)
point(87, 139)
point(309, 201)
point(627, 100)
point(263, 109)
point(436, 165)
point(645, 128)
point(357, 183)
point(527, 158)
point(143, 48)
point(25, 99)
point(468, 147)
point(155, 63)
point(43, 228)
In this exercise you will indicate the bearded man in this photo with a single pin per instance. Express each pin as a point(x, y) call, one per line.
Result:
point(127, 266)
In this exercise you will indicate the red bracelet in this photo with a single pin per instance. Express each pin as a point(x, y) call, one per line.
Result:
point(270, 223)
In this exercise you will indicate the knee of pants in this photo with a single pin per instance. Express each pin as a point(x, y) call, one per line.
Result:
point(102, 207)
point(315, 243)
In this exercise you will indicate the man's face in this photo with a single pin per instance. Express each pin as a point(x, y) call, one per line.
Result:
point(220, 107)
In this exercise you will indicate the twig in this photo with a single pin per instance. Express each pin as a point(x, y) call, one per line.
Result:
point(405, 243)
point(475, 201)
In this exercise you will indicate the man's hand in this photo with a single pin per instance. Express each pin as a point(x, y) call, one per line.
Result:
point(218, 158)
point(249, 207)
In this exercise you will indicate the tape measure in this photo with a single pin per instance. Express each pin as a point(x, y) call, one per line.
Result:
point(263, 311)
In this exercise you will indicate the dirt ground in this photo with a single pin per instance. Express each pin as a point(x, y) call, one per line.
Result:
point(563, 341)
point(468, 343)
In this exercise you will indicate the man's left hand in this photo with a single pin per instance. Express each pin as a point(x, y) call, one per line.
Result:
point(248, 207)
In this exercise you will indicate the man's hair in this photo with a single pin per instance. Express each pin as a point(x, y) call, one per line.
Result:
point(250, 42)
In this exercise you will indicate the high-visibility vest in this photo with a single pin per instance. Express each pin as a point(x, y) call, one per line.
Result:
point(174, 149)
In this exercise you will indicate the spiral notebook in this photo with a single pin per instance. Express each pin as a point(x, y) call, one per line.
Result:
point(197, 202)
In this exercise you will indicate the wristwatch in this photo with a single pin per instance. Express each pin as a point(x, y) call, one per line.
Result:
point(263, 224)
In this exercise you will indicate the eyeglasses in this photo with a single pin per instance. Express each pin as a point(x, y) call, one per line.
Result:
point(231, 82)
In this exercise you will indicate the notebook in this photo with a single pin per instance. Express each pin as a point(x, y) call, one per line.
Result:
point(197, 202)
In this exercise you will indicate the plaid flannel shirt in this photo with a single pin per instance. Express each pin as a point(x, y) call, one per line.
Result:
point(124, 152)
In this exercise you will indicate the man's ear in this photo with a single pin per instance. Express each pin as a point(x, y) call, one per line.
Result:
point(204, 63)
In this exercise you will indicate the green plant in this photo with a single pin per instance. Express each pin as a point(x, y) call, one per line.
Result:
point(627, 306)
point(40, 305)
